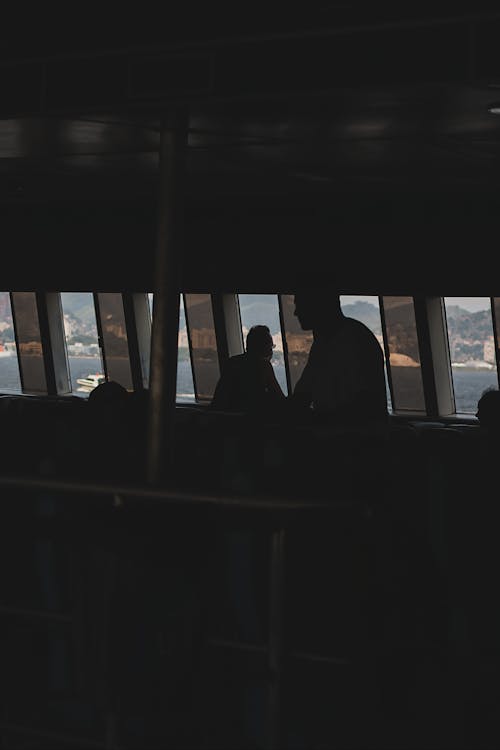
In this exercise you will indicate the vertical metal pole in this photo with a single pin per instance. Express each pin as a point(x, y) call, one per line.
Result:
point(163, 373)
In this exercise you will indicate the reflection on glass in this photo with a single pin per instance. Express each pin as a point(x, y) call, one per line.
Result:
point(114, 338)
point(472, 348)
point(9, 366)
point(367, 310)
point(404, 356)
point(203, 344)
point(298, 342)
point(82, 343)
point(263, 309)
point(29, 342)
point(185, 385)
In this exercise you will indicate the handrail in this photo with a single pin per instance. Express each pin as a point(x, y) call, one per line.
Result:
point(171, 496)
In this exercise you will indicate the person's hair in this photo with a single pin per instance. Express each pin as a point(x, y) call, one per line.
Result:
point(107, 393)
point(258, 338)
point(320, 300)
point(488, 408)
point(318, 308)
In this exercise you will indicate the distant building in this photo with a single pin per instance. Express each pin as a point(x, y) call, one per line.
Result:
point(83, 350)
point(489, 350)
point(203, 338)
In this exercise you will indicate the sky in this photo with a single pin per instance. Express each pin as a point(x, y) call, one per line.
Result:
point(473, 304)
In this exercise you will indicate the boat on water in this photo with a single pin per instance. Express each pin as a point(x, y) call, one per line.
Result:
point(90, 382)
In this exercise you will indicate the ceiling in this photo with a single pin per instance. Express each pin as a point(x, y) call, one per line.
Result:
point(435, 136)
point(364, 114)
point(343, 96)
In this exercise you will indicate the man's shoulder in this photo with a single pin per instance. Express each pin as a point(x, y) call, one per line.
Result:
point(356, 324)
point(236, 363)
point(237, 359)
point(356, 327)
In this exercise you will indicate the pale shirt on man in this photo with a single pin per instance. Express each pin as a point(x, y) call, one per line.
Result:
point(342, 366)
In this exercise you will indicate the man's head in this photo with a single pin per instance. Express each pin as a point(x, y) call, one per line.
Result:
point(317, 308)
point(260, 342)
point(488, 409)
point(108, 394)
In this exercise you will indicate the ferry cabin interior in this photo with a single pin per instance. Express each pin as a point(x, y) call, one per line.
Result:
point(178, 577)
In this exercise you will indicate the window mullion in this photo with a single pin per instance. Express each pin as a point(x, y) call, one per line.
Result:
point(142, 330)
point(54, 343)
point(285, 345)
point(232, 321)
point(495, 316)
point(132, 326)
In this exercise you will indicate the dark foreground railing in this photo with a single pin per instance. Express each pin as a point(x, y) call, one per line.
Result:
point(122, 512)
point(353, 608)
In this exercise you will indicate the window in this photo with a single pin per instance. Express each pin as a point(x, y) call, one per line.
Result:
point(114, 338)
point(472, 349)
point(29, 341)
point(404, 355)
point(82, 343)
point(201, 332)
point(185, 385)
point(263, 309)
point(10, 379)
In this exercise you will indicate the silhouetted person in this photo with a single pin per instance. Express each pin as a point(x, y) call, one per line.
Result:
point(344, 378)
point(248, 382)
point(472, 543)
point(488, 412)
point(108, 393)
point(481, 449)
point(108, 425)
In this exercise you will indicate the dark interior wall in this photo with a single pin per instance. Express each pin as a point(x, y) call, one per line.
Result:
point(364, 242)
point(73, 247)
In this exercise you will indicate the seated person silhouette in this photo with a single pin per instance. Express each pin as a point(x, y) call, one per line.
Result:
point(488, 411)
point(343, 380)
point(108, 394)
point(108, 417)
point(248, 382)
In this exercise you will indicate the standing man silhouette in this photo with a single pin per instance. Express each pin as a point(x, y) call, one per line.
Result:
point(343, 379)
